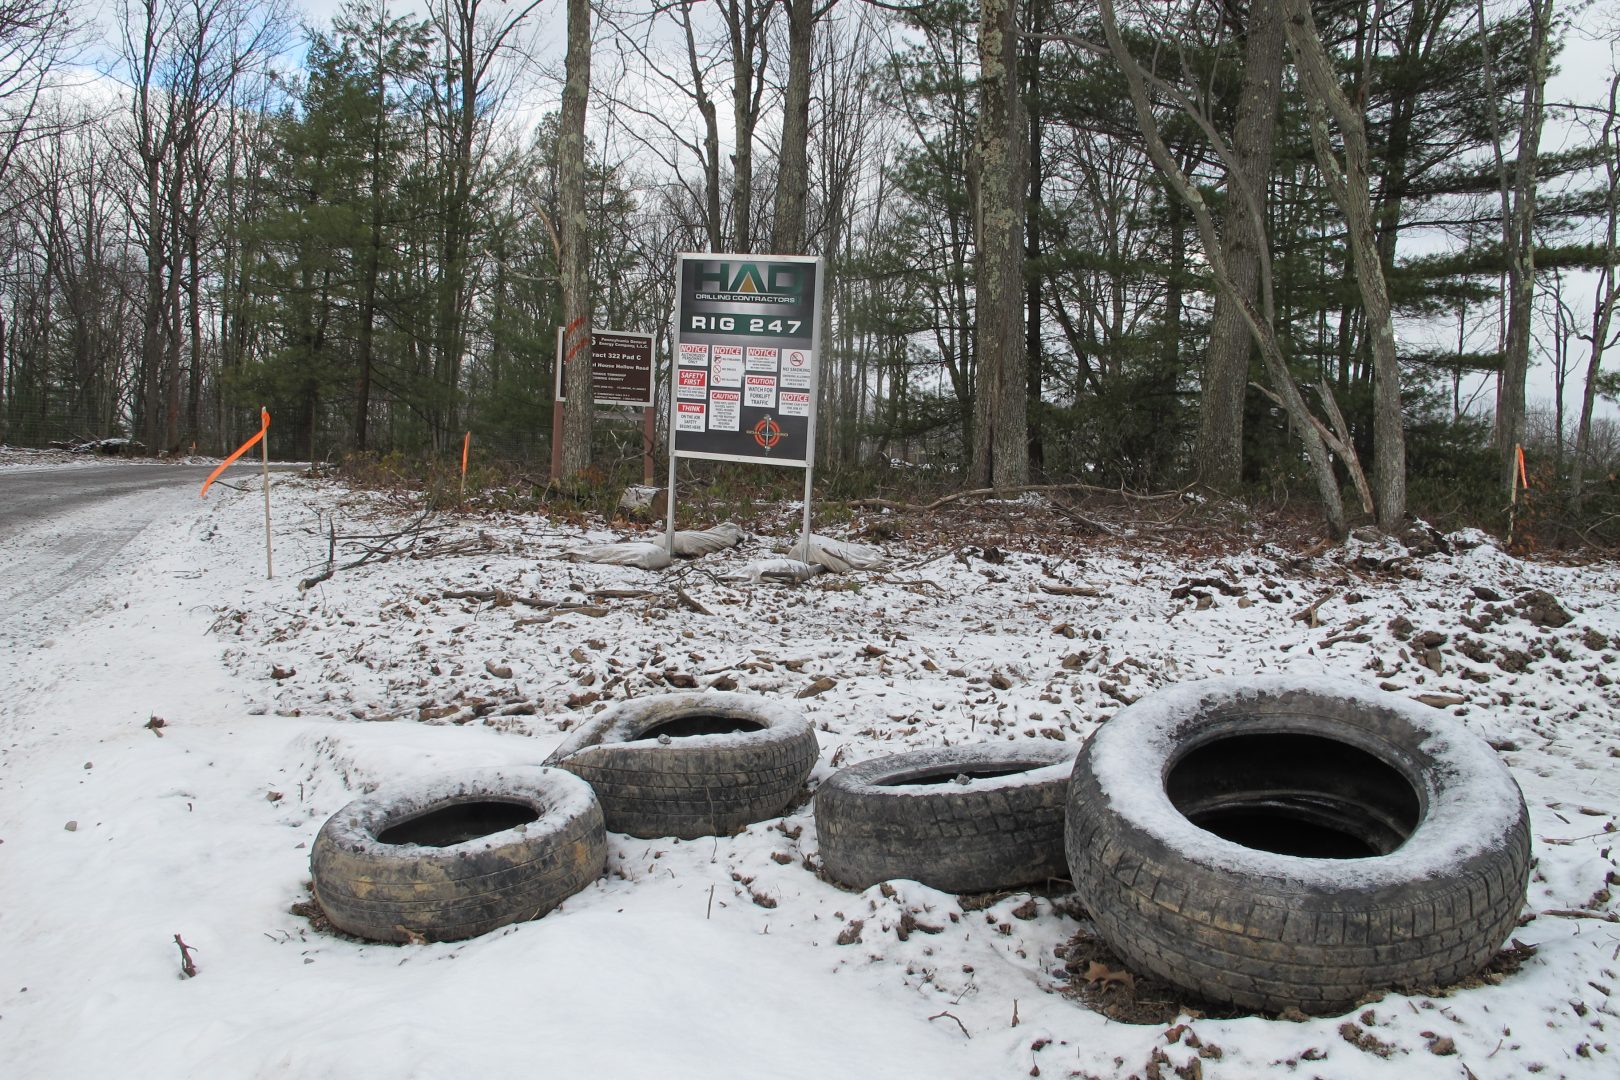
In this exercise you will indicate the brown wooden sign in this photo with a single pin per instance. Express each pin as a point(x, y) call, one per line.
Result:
point(621, 368)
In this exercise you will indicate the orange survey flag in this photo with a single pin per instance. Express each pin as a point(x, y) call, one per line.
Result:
point(264, 426)
point(465, 443)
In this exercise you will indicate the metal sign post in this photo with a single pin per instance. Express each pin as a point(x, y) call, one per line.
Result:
point(747, 344)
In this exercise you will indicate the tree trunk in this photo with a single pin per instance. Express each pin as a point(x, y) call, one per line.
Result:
point(1000, 417)
point(1033, 306)
point(1259, 321)
point(1607, 293)
point(793, 166)
point(575, 257)
point(1517, 192)
point(1226, 368)
point(1349, 187)
point(712, 220)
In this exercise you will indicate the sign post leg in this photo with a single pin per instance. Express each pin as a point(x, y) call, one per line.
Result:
point(264, 457)
point(647, 432)
point(556, 440)
point(809, 474)
point(669, 524)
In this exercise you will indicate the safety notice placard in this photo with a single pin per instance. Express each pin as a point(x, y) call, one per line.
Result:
point(747, 335)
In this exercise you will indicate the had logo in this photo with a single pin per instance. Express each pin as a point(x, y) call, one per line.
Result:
point(726, 280)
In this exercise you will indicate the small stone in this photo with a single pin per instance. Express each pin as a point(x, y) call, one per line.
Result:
point(72, 826)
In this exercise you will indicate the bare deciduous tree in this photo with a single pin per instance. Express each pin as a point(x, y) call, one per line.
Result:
point(1348, 184)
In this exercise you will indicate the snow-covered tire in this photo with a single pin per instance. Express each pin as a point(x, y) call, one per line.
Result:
point(690, 765)
point(1276, 843)
point(458, 856)
point(911, 816)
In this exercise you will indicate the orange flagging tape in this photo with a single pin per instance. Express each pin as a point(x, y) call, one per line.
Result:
point(465, 443)
point(578, 345)
point(264, 422)
point(1524, 481)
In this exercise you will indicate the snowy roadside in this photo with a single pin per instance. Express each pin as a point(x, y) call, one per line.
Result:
point(278, 706)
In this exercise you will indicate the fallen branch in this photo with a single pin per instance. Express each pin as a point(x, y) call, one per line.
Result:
point(498, 596)
point(188, 967)
point(1065, 590)
point(689, 603)
point(946, 500)
point(1569, 913)
point(959, 1023)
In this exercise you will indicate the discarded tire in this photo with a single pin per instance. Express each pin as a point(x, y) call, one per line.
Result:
point(1274, 844)
point(691, 765)
point(968, 818)
point(458, 856)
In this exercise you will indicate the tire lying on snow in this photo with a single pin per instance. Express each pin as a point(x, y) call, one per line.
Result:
point(1272, 843)
point(691, 765)
point(967, 818)
point(457, 856)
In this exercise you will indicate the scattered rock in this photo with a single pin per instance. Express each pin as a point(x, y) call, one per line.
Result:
point(277, 672)
point(1512, 660)
point(500, 671)
point(72, 826)
point(1542, 609)
point(1361, 1039)
point(821, 685)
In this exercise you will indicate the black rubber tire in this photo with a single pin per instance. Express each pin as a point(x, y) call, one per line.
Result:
point(404, 891)
point(691, 785)
point(906, 816)
point(1268, 931)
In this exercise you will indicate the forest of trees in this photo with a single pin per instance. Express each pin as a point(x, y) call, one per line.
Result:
point(1261, 245)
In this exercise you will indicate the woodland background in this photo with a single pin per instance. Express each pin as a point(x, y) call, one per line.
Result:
point(1136, 246)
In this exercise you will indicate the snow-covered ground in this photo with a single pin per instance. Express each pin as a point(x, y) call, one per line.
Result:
point(169, 751)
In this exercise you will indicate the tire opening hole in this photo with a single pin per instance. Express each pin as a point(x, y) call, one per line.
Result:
point(681, 727)
point(1300, 795)
point(948, 774)
point(458, 823)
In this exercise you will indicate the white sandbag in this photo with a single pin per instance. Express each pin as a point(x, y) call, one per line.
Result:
point(782, 571)
point(839, 556)
point(690, 543)
point(642, 553)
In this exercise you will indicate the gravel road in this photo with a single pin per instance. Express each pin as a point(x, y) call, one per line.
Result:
point(61, 530)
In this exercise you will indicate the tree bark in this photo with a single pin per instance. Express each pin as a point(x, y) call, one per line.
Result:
point(575, 256)
point(1517, 192)
point(1000, 428)
point(1607, 294)
point(1226, 368)
point(793, 165)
